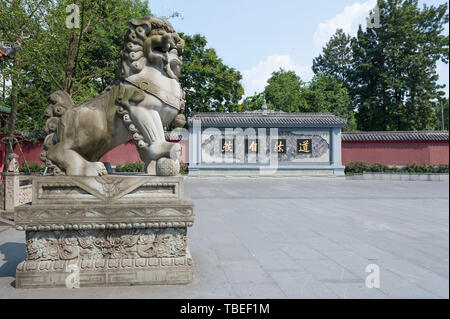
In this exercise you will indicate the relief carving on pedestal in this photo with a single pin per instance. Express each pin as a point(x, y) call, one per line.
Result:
point(118, 244)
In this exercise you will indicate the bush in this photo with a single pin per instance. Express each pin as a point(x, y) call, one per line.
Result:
point(356, 168)
point(414, 168)
point(140, 168)
point(35, 167)
point(395, 170)
point(377, 168)
point(131, 168)
point(361, 167)
point(184, 169)
point(443, 168)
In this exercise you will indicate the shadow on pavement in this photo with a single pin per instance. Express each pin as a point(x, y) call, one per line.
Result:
point(13, 254)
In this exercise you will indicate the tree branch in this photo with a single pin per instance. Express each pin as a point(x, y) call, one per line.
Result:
point(83, 29)
point(54, 80)
point(93, 77)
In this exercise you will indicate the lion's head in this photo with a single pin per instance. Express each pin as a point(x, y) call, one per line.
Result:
point(153, 40)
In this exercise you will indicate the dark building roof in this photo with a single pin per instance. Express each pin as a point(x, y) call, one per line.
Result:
point(395, 136)
point(268, 118)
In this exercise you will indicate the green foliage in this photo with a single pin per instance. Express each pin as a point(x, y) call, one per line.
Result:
point(253, 103)
point(184, 169)
point(336, 57)
point(209, 84)
point(414, 168)
point(378, 168)
point(80, 61)
point(284, 92)
point(131, 167)
point(287, 92)
point(443, 168)
point(356, 168)
point(361, 167)
point(393, 79)
point(35, 167)
point(443, 103)
point(326, 94)
point(390, 71)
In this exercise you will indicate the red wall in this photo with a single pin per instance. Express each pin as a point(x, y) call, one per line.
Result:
point(128, 153)
point(120, 155)
point(396, 152)
point(387, 153)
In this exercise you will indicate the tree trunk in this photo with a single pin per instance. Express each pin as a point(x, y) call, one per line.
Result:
point(70, 67)
point(13, 114)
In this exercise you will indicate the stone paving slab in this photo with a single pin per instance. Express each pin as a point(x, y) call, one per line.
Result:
point(292, 238)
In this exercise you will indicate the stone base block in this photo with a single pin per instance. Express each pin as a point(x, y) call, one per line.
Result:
point(105, 231)
point(105, 272)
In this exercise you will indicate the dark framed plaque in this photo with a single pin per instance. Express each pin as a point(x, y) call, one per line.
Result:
point(227, 146)
point(251, 145)
point(304, 146)
point(279, 146)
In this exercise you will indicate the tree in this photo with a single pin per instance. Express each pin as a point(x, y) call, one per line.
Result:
point(284, 92)
point(336, 57)
point(442, 109)
point(327, 94)
point(80, 61)
point(53, 57)
point(18, 17)
point(253, 103)
point(209, 84)
point(394, 78)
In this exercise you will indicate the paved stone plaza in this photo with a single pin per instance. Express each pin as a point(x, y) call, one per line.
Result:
point(290, 238)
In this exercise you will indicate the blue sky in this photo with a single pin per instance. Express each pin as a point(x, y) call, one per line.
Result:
point(258, 37)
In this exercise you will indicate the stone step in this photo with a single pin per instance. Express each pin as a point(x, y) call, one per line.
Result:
point(6, 223)
point(7, 215)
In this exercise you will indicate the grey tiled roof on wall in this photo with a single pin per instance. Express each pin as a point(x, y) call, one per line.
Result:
point(268, 119)
point(395, 136)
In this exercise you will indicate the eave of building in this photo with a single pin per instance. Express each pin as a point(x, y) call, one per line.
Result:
point(395, 136)
point(267, 119)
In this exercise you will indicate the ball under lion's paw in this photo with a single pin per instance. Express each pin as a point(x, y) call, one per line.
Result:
point(167, 167)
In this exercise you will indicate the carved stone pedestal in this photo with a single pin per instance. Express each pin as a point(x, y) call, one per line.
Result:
point(106, 231)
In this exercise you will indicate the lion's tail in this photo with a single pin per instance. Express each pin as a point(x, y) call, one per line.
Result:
point(60, 103)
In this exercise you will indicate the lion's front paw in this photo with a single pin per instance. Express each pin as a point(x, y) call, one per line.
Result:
point(101, 169)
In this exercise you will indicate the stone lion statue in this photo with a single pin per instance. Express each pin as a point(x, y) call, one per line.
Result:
point(144, 97)
point(12, 163)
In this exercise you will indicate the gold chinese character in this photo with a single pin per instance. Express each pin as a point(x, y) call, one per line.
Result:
point(279, 147)
point(304, 147)
point(253, 146)
point(227, 147)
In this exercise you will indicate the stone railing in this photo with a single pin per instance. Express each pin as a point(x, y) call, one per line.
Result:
point(15, 190)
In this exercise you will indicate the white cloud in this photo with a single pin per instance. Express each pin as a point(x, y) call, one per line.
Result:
point(348, 20)
point(255, 79)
